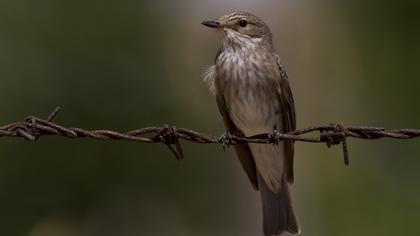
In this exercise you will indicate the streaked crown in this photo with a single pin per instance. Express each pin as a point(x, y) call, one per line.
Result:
point(245, 24)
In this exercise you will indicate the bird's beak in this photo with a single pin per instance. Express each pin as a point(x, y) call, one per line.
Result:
point(211, 24)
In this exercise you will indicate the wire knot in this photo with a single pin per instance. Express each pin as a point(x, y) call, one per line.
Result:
point(333, 135)
point(168, 135)
point(336, 134)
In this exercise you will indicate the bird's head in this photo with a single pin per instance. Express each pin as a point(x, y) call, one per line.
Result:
point(241, 24)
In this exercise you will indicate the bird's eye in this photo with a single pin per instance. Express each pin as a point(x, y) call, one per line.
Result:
point(242, 23)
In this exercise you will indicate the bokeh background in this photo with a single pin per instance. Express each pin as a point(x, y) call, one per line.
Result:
point(128, 64)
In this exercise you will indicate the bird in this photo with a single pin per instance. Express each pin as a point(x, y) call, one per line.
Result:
point(254, 96)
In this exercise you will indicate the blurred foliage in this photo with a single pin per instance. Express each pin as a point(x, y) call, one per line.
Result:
point(127, 64)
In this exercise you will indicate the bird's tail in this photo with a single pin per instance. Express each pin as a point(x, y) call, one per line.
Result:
point(278, 214)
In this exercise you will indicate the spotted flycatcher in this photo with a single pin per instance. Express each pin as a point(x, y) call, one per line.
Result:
point(254, 97)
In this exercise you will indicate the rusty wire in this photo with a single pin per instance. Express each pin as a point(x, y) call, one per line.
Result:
point(33, 127)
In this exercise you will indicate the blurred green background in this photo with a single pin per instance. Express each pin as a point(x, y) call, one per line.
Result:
point(128, 64)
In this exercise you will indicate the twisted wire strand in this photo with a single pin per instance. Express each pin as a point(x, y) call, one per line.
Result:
point(32, 127)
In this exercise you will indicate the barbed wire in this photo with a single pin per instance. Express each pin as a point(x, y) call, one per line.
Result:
point(32, 127)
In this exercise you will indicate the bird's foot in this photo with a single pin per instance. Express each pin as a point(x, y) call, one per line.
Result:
point(226, 140)
point(275, 137)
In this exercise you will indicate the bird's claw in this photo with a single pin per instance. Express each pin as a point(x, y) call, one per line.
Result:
point(226, 140)
point(275, 137)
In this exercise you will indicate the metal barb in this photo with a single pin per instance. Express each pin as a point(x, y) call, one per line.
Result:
point(168, 135)
point(53, 114)
point(336, 134)
point(340, 130)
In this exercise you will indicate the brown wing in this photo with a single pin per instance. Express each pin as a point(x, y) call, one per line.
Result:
point(288, 117)
point(242, 150)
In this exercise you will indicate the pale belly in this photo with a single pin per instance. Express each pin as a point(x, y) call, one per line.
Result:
point(255, 113)
point(250, 91)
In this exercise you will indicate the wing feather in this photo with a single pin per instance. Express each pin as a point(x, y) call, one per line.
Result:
point(242, 150)
point(288, 117)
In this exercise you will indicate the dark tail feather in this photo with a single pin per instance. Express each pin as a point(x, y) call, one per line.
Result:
point(278, 215)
